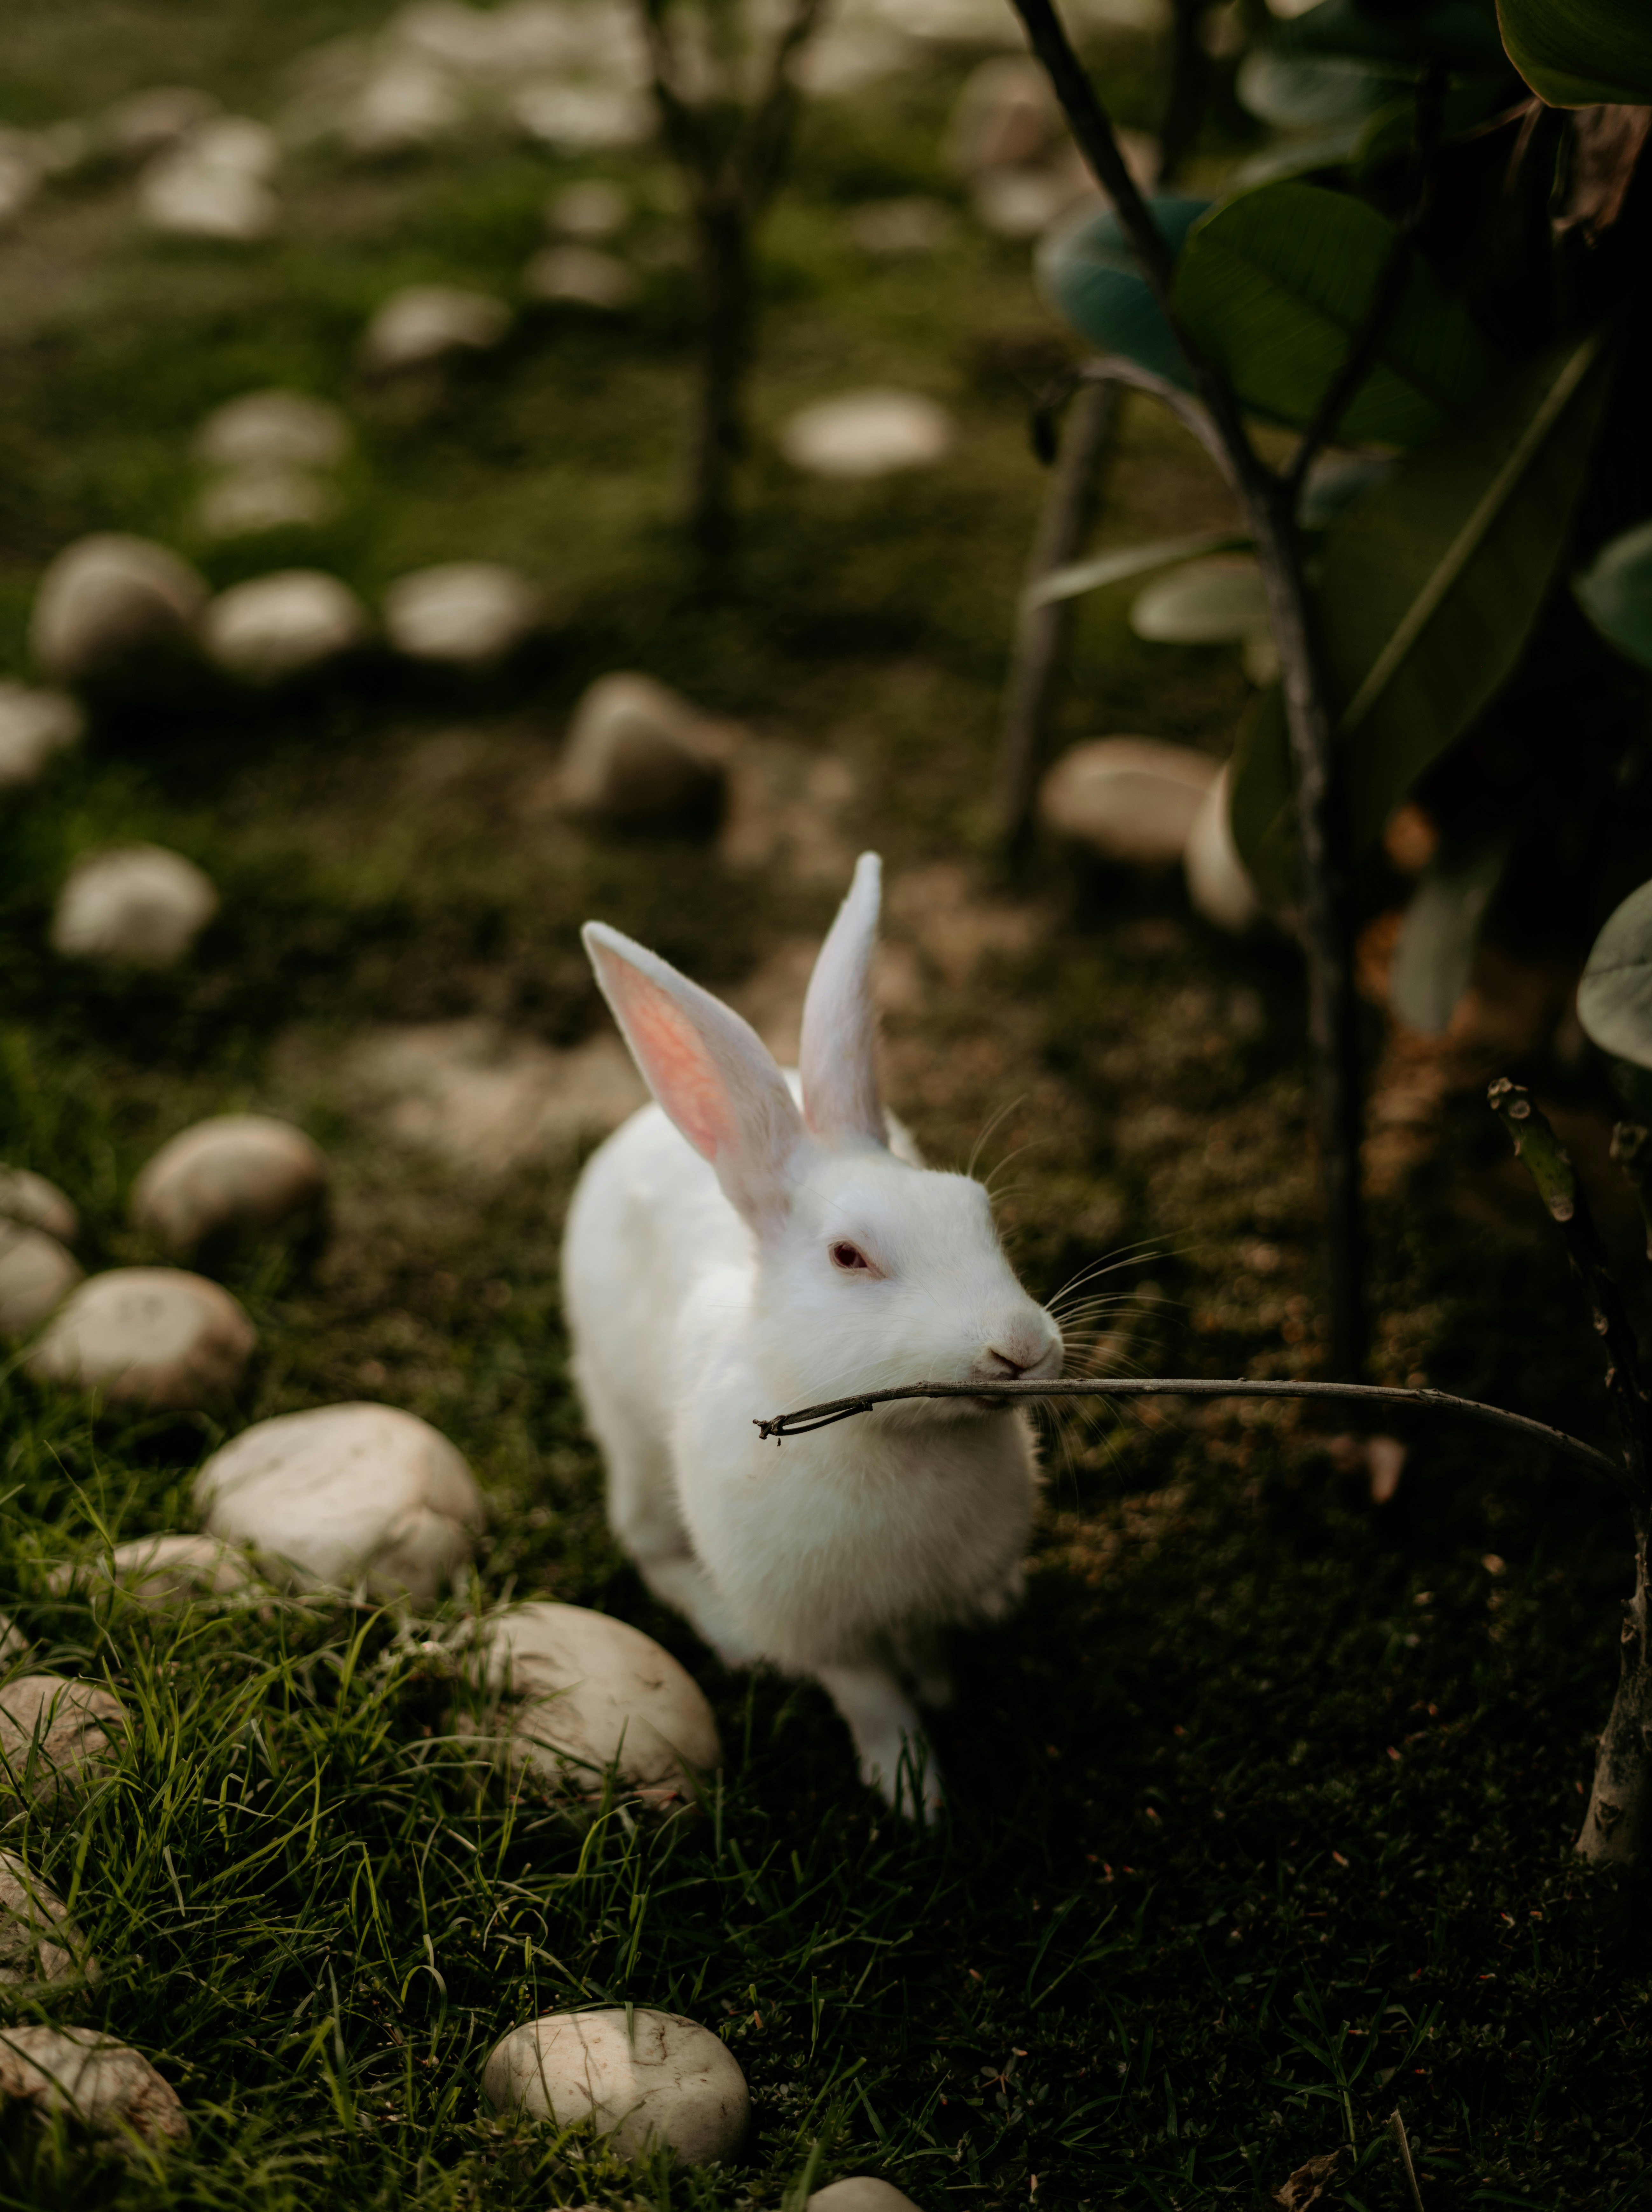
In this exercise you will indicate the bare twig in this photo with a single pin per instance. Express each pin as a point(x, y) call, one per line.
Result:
point(1631, 1148)
point(1397, 2127)
point(781, 1426)
point(1323, 905)
point(1040, 631)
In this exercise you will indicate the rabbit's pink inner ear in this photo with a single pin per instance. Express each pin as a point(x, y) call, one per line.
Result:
point(673, 1056)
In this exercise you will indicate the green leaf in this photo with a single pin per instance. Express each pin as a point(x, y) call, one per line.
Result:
point(1390, 134)
point(1334, 483)
point(1274, 286)
point(1435, 957)
point(1206, 603)
point(1615, 1000)
point(1261, 800)
point(1427, 591)
point(1080, 576)
point(1334, 148)
point(1615, 593)
point(1087, 270)
point(1581, 53)
point(1311, 95)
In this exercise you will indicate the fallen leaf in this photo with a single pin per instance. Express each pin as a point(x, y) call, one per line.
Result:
point(1308, 2184)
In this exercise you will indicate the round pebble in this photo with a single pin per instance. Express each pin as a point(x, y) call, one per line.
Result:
point(639, 755)
point(654, 2079)
point(430, 322)
point(1218, 884)
point(867, 434)
point(466, 614)
point(105, 2085)
point(580, 276)
point(163, 1571)
point(1132, 798)
point(592, 210)
point(35, 727)
point(140, 904)
point(54, 1735)
point(584, 118)
point(235, 1175)
point(860, 2193)
point(148, 1336)
point(274, 429)
point(36, 1276)
point(39, 1943)
point(404, 107)
point(214, 183)
point(244, 502)
point(284, 625)
point(1215, 602)
point(30, 1201)
point(594, 1691)
point(346, 1494)
point(111, 608)
point(144, 122)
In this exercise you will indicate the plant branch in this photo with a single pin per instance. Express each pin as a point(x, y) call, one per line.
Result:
point(781, 1426)
point(1116, 368)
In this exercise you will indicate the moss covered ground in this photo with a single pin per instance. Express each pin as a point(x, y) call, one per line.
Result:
point(1262, 1806)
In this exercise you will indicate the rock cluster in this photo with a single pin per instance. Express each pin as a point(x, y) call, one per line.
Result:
point(270, 459)
point(591, 1693)
point(37, 1272)
point(161, 1572)
point(148, 1336)
point(140, 904)
point(1145, 804)
point(640, 756)
point(430, 323)
point(345, 1495)
point(55, 1740)
point(867, 434)
point(34, 727)
point(39, 1943)
point(288, 624)
point(105, 2084)
point(113, 610)
point(462, 614)
point(214, 181)
point(643, 2078)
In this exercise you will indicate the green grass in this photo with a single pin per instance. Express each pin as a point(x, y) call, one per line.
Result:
point(1261, 1808)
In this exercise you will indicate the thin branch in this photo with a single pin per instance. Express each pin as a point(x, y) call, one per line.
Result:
point(1361, 356)
point(760, 155)
point(1116, 368)
point(781, 1426)
point(1549, 1165)
point(1398, 2127)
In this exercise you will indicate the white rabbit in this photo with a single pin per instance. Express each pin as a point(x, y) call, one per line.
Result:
point(776, 1259)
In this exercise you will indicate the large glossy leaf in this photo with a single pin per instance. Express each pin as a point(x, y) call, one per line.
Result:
point(1615, 593)
point(1275, 286)
point(1581, 53)
point(1615, 1000)
point(1310, 93)
point(1088, 272)
point(1427, 591)
point(1456, 32)
point(1435, 957)
point(1103, 568)
point(1206, 603)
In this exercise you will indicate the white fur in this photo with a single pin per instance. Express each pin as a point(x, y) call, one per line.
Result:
point(701, 1293)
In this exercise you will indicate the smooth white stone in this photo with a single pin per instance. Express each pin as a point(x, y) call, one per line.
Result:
point(860, 2193)
point(36, 1276)
point(579, 275)
point(110, 604)
point(21, 176)
point(592, 210)
point(427, 322)
point(163, 1571)
point(35, 727)
point(594, 1692)
point(105, 2084)
point(214, 183)
point(140, 904)
point(638, 753)
point(656, 2078)
point(584, 118)
point(54, 1737)
point(488, 1101)
point(275, 429)
point(465, 613)
point(144, 123)
point(1133, 799)
point(867, 434)
point(1215, 602)
point(1005, 115)
point(232, 1175)
point(13, 1642)
point(1218, 884)
point(283, 625)
point(846, 55)
point(242, 503)
point(148, 1336)
point(894, 228)
point(498, 44)
point(346, 1494)
point(406, 105)
point(39, 1941)
point(33, 1203)
point(1024, 203)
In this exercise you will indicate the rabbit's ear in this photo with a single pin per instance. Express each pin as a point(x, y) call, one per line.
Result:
point(839, 1057)
point(710, 1071)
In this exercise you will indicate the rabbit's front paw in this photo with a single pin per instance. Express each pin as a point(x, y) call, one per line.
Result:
point(906, 1774)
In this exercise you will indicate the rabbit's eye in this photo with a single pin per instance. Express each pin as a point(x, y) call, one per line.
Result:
point(850, 1257)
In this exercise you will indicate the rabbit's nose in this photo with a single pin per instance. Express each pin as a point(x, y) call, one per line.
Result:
point(1013, 1369)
